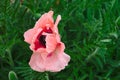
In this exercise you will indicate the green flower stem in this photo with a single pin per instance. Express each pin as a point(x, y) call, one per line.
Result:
point(46, 76)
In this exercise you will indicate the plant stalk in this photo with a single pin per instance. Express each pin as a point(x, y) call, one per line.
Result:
point(47, 76)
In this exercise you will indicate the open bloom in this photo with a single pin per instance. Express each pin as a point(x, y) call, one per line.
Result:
point(48, 50)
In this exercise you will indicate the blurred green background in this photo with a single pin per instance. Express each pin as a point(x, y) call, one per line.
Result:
point(90, 30)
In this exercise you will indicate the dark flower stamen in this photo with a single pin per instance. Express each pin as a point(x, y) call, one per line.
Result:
point(42, 40)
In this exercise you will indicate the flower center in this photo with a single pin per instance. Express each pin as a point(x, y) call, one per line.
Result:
point(40, 40)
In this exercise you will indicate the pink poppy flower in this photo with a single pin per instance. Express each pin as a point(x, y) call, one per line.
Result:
point(48, 50)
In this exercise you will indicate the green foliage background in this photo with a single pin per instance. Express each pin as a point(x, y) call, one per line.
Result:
point(90, 30)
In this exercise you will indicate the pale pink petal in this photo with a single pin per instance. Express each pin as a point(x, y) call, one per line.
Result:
point(57, 60)
point(54, 62)
point(55, 29)
point(51, 43)
point(28, 35)
point(37, 32)
point(37, 62)
point(58, 37)
point(45, 20)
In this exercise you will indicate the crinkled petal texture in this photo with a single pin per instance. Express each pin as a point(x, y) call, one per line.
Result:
point(53, 62)
point(48, 50)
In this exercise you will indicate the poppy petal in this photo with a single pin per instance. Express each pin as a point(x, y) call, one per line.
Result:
point(45, 20)
point(28, 35)
point(37, 62)
point(51, 43)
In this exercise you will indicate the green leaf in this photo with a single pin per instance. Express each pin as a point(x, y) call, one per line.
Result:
point(12, 75)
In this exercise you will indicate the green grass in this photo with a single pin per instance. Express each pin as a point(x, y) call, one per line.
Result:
point(90, 30)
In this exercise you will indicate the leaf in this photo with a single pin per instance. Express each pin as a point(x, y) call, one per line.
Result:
point(106, 40)
point(12, 75)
